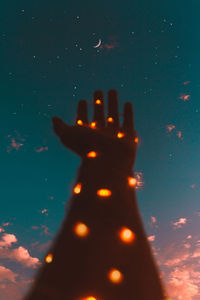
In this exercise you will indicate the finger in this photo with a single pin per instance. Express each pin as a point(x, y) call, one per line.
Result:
point(98, 101)
point(59, 126)
point(82, 112)
point(128, 122)
point(113, 114)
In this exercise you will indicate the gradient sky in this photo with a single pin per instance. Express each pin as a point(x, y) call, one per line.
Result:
point(149, 53)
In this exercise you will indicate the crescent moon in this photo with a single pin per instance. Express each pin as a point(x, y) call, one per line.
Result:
point(99, 43)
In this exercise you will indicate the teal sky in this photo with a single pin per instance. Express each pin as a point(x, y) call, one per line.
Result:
point(149, 53)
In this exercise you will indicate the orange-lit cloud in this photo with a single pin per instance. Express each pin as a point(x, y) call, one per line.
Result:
point(184, 97)
point(179, 223)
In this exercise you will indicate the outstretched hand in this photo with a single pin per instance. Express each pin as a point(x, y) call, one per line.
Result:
point(114, 143)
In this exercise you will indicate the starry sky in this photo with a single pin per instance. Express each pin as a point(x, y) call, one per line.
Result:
point(149, 53)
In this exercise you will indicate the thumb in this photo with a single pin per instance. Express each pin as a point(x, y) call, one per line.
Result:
point(59, 126)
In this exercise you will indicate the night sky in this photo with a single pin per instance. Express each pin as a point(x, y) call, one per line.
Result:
point(149, 53)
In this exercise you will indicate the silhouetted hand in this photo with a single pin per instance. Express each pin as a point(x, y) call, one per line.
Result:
point(113, 143)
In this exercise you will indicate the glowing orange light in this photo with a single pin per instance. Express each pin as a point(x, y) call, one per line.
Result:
point(104, 193)
point(93, 125)
point(80, 122)
point(120, 135)
point(49, 258)
point(81, 229)
point(132, 181)
point(91, 154)
point(126, 235)
point(77, 188)
point(110, 120)
point(98, 101)
point(89, 298)
point(115, 276)
point(136, 140)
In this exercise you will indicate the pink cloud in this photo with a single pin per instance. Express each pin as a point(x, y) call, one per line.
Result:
point(170, 127)
point(151, 238)
point(1, 229)
point(186, 82)
point(7, 240)
point(45, 211)
point(19, 254)
point(189, 237)
point(183, 283)
point(46, 229)
point(184, 97)
point(14, 290)
point(41, 149)
point(139, 179)
point(7, 274)
point(196, 253)
point(179, 134)
point(179, 223)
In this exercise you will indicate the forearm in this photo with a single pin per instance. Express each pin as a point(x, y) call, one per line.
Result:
point(81, 264)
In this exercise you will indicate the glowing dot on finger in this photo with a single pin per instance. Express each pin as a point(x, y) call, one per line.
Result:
point(77, 188)
point(81, 229)
point(89, 298)
point(49, 258)
point(98, 101)
point(92, 154)
point(80, 122)
point(136, 140)
point(110, 120)
point(120, 135)
point(115, 276)
point(104, 193)
point(132, 181)
point(93, 125)
point(126, 235)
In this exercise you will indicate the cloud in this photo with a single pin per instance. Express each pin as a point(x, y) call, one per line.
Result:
point(41, 149)
point(179, 223)
point(184, 97)
point(151, 238)
point(7, 274)
point(19, 254)
point(183, 283)
point(7, 240)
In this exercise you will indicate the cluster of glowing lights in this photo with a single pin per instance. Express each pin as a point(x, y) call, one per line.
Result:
point(132, 181)
point(93, 125)
point(98, 101)
point(126, 235)
point(120, 135)
point(92, 154)
point(81, 229)
point(80, 122)
point(115, 276)
point(104, 193)
point(77, 188)
point(49, 258)
point(110, 120)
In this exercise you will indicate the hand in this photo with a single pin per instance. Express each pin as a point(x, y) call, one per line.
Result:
point(101, 136)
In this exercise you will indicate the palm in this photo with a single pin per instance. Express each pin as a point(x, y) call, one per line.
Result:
point(106, 138)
